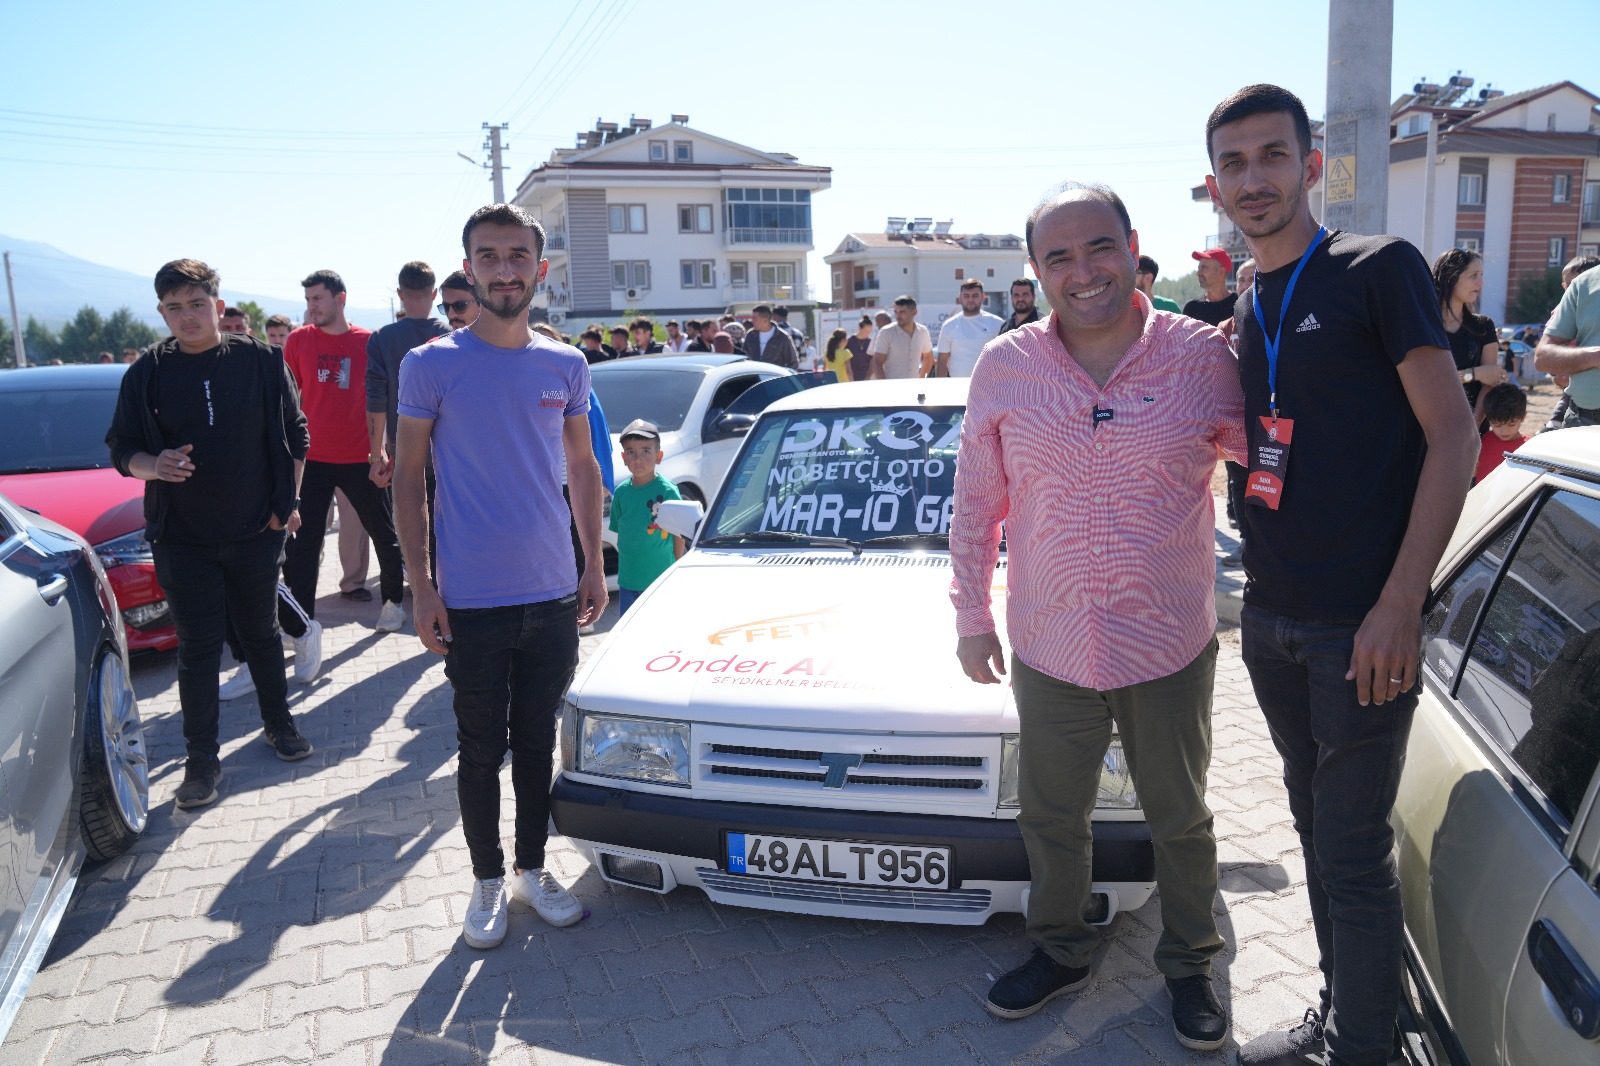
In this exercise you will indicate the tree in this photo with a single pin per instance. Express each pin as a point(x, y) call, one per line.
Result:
point(257, 317)
point(82, 339)
point(1182, 289)
point(39, 341)
point(8, 354)
point(122, 330)
point(1537, 296)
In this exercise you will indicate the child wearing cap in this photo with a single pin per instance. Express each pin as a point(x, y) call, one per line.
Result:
point(644, 550)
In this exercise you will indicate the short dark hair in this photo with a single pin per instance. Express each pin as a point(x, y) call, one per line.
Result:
point(1094, 191)
point(1505, 402)
point(327, 279)
point(781, 311)
point(417, 276)
point(1447, 270)
point(457, 280)
point(233, 312)
point(591, 334)
point(672, 322)
point(1149, 266)
point(1260, 100)
point(503, 215)
point(619, 329)
point(182, 273)
point(1023, 281)
point(762, 309)
point(1581, 264)
point(972, 283)
point(641, 323)
point(279, 320)
point(905, 300)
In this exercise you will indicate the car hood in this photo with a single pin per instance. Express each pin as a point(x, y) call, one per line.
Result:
point(95, 504)
point(802, 640)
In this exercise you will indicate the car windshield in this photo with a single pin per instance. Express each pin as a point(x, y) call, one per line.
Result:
point(864, 475)
point(55, 429)
point(662, 396)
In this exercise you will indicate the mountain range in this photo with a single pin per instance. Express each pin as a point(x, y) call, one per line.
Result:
point(51, 286)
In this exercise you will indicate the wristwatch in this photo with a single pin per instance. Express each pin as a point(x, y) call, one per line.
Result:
point(294, 505)
point(1466, 377)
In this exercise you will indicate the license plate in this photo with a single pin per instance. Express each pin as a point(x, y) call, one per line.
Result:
point(841, 861)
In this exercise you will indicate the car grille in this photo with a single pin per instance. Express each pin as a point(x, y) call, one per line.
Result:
point(962, 901)
point(886, 770)
point(885, 559)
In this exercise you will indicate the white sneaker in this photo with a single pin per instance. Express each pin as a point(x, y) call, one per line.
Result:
point(485, 924)
point(586, 631)
point(391, 618)
point(308, 653)
point(240, 684)
point(540, 890)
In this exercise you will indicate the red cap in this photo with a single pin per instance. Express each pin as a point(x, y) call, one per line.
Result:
point(1219, 255)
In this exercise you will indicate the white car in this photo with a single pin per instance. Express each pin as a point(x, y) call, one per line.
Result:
point(780, 720)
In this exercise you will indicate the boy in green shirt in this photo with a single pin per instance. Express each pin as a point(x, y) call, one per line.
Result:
point(644, 550)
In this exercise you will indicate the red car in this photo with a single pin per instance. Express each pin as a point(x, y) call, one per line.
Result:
point(54, 460)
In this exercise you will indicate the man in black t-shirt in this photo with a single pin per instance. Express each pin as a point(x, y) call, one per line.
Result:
point(1023, 311)
point(1375, 451)
point(213, 423)
point(1216, 306)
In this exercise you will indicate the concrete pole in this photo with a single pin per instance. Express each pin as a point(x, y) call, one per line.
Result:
point(16, 329)
point(496, 171)
point(1427, 188)
point(1360, 54)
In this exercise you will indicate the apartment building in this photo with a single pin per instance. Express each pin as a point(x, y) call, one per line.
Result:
point(670, 221)
point(1515, 176)
point(925, 260)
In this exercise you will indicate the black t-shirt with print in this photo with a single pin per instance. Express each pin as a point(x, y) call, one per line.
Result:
point(217, 402)
point(1211, 312)
point(1356, 448)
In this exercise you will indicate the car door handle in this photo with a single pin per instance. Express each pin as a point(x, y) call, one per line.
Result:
point(1567, 976)
point(52, 588)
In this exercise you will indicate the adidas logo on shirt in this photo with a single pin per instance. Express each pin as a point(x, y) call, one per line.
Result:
point(1308, 325)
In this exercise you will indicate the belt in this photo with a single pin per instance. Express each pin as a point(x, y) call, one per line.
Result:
point(1591, 413)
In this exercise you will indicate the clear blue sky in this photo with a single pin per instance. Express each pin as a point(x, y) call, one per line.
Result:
point(271, 140)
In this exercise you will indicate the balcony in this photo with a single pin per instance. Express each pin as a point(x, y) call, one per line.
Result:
point(555, 240)
point(766, 293)
point(867, 287)
point(764, 235)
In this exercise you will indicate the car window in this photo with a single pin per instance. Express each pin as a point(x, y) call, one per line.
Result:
point(1532, 678)
point(1449, 623)
point(857, 473)
point(755, 400)
point(661, 396)
point(55, 429)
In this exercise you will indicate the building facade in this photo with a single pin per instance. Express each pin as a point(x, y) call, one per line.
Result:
point(670, 221)
point(1514, 176)
point(926, 261)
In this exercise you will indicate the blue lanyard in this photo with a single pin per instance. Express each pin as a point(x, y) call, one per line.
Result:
point(1272, 341)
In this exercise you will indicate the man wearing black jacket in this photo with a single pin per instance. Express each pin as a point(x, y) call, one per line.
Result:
point(213, 423)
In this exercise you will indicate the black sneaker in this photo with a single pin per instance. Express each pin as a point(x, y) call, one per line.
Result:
point(1300, 1045)
point(200, 780)
point(1197, 1017)
point(1033, 984)
point(286, 741)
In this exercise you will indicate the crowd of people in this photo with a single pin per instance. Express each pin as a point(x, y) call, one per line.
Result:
point(469, 452)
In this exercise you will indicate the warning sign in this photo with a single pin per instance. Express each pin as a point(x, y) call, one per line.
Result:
point(1339, 180)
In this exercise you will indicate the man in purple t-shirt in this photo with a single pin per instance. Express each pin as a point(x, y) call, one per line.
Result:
point(500, 408)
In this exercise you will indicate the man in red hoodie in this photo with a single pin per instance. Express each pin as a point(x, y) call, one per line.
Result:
point(328, 358)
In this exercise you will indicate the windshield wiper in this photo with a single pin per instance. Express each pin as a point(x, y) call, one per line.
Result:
point(935, 540)
point(780, 535)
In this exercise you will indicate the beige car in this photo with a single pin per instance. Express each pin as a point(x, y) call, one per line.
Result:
point(1497, 818)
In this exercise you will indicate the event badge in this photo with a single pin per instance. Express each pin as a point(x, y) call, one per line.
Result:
point(1269, 461)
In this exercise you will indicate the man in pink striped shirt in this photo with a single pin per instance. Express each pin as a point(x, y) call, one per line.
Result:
point(1093, 434)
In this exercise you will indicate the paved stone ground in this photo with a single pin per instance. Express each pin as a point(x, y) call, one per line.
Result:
point(312, 915)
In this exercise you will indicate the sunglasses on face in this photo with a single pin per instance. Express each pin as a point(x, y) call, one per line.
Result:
point(458, 306)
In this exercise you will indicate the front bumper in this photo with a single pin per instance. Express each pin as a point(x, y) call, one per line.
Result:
point(134, 585)
point(989, 871)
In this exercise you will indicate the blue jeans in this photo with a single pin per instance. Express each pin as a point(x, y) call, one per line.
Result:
point(210, 586)
point(625, 598)
point(509, 667)
point(1341, 765)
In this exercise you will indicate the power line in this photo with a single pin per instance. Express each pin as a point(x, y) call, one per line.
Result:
point(240, 130)
point(534, 68)
point(252, 172)
point(166, 146)
point(557, 78)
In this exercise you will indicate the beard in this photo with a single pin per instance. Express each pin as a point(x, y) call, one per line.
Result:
point(1287, 210)
point(503, 305)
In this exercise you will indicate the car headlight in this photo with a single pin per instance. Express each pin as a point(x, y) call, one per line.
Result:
point(641, 749)
point(1116, 783)
point(125, 551)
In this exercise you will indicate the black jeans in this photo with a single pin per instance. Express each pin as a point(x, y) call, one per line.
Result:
point(509, 667)
point(1341, 765)
point(371, 504)
point(208, 586)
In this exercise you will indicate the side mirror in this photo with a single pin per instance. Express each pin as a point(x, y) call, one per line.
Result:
point(680, 517)
point(733, 425)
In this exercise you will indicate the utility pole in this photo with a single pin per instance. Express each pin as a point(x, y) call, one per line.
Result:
point(1356, 173)
point(496, 169)
point(16, 329)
